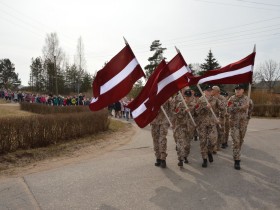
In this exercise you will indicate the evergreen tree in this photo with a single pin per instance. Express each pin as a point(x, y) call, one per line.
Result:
point(137, 87)
point(155, 59)
point(210, 64)
point(8, 77)
point(37, 79)
point(86, 82)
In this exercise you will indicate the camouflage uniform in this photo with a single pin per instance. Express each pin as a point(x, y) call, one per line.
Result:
point(206, 122)
point(226, 128)
point(220, 113)
point(238, 119)
point(183, 128)
point(159, 132)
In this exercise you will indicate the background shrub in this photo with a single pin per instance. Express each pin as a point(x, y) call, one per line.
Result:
point(46, 109)
point(266, 110)
point(42, 130)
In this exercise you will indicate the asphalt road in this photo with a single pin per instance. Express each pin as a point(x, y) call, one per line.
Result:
point(126, 178)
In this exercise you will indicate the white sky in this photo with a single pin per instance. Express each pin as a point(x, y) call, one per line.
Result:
point(229, 27)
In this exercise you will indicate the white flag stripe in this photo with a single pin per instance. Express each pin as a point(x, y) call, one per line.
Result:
point(119, 77)
point(140, 109)
point(171, 78)
point(244, 70)
point(94, 100)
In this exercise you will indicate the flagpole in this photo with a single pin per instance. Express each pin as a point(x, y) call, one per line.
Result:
point(208, 103)
point(178, 51)
point(250, 85)
point(184, 102)
point(125, 41)
point(164, 112)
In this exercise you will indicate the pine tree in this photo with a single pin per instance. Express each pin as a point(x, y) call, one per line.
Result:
point(155, 59)
point(37, 80)
point(210, 63)
point(8, 77)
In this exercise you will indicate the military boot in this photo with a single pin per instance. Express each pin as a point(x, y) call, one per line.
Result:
point(158, 162)
point(210, 157)
point(204, 164)
point(195, 138)
point(224, 145)
point(180, 163)
point(237, 164)
point(186, 160)
point(163, 164)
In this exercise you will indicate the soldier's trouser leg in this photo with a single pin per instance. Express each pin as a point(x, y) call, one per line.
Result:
point(212, 135)
point(180, 139)
point(237, 132)
point(221, 132)
point(203, 140)
point(163, 130)
point(155, 135)
point(226, 131)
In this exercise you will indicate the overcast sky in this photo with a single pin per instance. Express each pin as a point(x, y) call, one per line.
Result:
point(230, 28)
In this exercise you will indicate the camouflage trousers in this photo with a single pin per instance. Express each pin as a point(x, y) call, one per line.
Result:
point(183, 138)
point(159, 133)
point(226, 130)
point(208, 138)
point(237, 131)
point(221, 133)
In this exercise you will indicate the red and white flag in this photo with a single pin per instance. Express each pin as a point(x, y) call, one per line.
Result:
point(170, 80)
point(116, 79)
point(141, 115)
point(238, 72)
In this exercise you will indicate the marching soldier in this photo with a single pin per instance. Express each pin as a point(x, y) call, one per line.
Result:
point(159, 132)
point(220, 113)
point(207, 125)
point(183, 127)
point(240, 109)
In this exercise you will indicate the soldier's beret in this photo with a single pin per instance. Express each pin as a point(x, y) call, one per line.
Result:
point(208, 87)
point(240, 86)
point(188, 93)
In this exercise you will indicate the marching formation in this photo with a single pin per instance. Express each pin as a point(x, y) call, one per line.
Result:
point(209, 117)
point(229, 116)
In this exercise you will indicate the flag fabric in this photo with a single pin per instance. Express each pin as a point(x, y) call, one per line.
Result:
point(238, 72)
point(116, 79)
point(170, 80)
point(141, 115)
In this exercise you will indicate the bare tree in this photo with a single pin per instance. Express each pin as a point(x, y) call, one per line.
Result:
point(80, 60)
point(268, 73)
point(53, 53)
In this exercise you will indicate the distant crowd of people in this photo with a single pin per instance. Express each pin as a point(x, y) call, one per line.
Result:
point(52, 100)
point(119, 109)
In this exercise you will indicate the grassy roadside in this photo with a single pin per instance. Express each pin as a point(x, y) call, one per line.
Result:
point(22, 158)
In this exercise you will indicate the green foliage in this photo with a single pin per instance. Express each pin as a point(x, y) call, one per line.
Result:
point(155, 59)
point(37, 79)
point(210, 63)
point(138, 86)
point(8, 77)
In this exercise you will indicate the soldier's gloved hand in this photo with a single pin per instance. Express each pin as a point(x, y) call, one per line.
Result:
point(218, 121)
point(187, 110)
point(208, 106)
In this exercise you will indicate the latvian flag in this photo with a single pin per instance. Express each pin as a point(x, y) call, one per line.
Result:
point(238, 72)
point(116, 79)
point(170, 80)
point(141, 115)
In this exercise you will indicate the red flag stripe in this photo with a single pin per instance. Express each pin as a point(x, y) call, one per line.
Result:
point(119, 77)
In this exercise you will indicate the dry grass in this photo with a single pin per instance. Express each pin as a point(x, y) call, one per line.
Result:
point(21, 158)
point(13, 110)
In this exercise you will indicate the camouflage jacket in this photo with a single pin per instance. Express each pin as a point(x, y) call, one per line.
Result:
point(204, 113)
point(180, 115)
point(160, 118)
point(222, 103)
point(235, 107)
